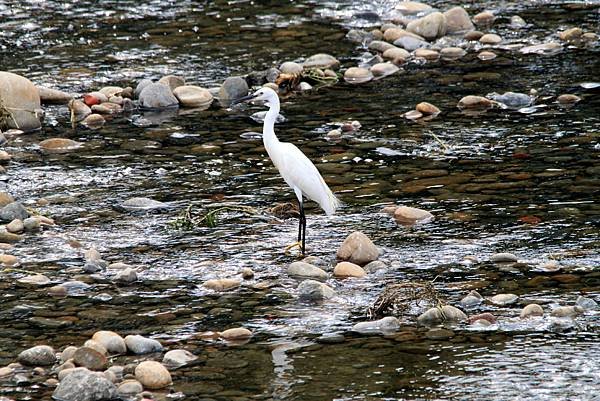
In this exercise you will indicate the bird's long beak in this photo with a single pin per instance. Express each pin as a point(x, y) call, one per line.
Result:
point(243, 99)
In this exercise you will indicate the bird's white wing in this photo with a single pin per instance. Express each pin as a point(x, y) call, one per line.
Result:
point(299, 172)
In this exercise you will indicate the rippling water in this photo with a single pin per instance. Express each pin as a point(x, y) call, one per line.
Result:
point(490, 171)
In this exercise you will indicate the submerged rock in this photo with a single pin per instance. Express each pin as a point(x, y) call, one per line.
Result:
point(21, 100)
point(59, 144)
point(490, 39)
point(178, 357)
point(83, 385)
point(473, 298)
point(503, 257)
point(568, 99)
point(411, 7)
point(222, 284)
point(383, 325)
point(90, 358)
point(427, 109)
point(586, 303)
point(431, 316)
point(311, 290)
point(94, 121)
point(406, 215)
point(358, 248)
point(410, 43)
point(542, 49)
point(140, 86)
point(79, 109)
point(512, 100)
point(381, 70)
point(143, 204)
point(172, 81)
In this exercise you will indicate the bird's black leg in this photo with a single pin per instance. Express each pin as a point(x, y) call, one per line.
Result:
point(300, 221)
point(303, 223)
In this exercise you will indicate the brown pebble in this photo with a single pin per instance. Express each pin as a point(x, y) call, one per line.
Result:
point(568, 99)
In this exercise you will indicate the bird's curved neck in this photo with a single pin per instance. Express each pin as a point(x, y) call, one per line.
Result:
point(269, 136)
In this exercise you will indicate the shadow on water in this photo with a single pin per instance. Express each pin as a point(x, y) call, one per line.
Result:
point(480, 176)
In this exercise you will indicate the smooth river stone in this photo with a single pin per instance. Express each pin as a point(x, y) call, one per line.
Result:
point(504, 299)
point(430, 27)
point(321, 60)
point(457, 20)
point(427, 109)
point(427, 54)
point(531, 310)
point(452, 53)
point(383, 325)
point(484, 18)
point(236, 333)
point(490, 39)
point(406, 215)
point(543, 49)
point(311, 290)
point(381, 70)
point(153, 375)
point(358, 248)
point(193, 96)
point(411, 7)
point(306, 270)
point(357, 75)
point(395, 54)
point(348, 269)
point(475, 102)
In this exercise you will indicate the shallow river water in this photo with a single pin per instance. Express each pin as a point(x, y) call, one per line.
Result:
point(480, 175)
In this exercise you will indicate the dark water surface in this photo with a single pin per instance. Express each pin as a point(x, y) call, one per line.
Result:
point(491, 171)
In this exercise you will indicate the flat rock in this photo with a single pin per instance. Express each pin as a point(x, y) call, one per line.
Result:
point(503, 257)
point(130, 387)
point(567, 311)
point(311, 290)
point(142, 345)
point(178, 357)
point(549, 48)
point(83, 385)
point(380, 46)
point(439, 333)
point(153, 375)
point(306, 270)
point(53, 96)
point(504, 299)
point(321, 60)
point(348, 269)
point(90, 358)
point(384, 325)
point(475, 102)
point(59, 144)
point(357, 75)
point(411, 7)
point(35, 280)
point(193, 96)
point(157, 96)
point(143, 204)
point(410, 43)
point(40, 355)
point(406, 215)
point(236, 333)
point(126, 276)
point(586, 303)
point(222, 284)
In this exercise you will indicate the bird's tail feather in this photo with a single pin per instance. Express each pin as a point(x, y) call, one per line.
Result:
point(331, 203)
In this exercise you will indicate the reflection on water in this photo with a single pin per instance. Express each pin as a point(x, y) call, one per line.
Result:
point(479, 175)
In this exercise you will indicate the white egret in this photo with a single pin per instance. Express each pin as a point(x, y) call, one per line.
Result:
point(296, 169)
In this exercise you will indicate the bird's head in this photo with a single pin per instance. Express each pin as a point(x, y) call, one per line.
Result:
point(266, 95)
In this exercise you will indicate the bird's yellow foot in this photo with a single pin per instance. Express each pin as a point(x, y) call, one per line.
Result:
point(288, 248)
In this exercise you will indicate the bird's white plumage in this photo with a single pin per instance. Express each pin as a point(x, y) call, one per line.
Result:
point(296, 169)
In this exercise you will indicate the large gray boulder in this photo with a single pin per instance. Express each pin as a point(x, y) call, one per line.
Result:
point(20, 105)
point(83, 385)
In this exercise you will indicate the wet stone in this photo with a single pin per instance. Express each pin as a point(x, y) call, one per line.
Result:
point(568, 99)
point(178, 357)
point(483, 316)
point(453, 314)
point(130, 387)
point(306, 270)
point(83, 385)
point(531, 310)
point(153, 375)
point(93, 121)
point(484, 18)
point(411, 7)
point(35, 280)
point(311, 290)
point(331, 338)
point(567, 311)
point(141, 345)
point(223, 284)
point(473, 35)
point(486, 55)
point(13, 211)
point(357, 75)
point(290, 67)
point(503, 257)
point(381, 70)
point(41, 355)
point(15, 226)
point(439, 333)
point(412, 115)
point(172, 81)
point(58, 145)
point(430, 27)
point(472, 299)
point(408, 216)
point(380, 46)
point(384, 325)
point(157, 96)
point(396, 54)
point(321, 60)
point(431, 316)
point(111, 341)
point(126, 276)
point(542, 49)
point(358, 248)
point(452, 53)
point(410, 43)
point(511, 99)
point(347, 269)
point(504, 299)
point(571, 34)
point(586, 303)
point(517, 22)
point(236, 333)
point(490, 39)
point(90, 358)
point(457, 20)
point(427, 54)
